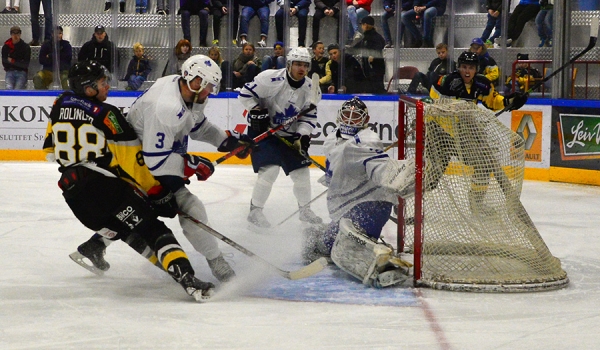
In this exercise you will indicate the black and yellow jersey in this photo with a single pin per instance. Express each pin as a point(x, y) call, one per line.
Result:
point(480, 89)
point(84, 131)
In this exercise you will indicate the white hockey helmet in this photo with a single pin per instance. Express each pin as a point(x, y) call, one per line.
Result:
point(205, 68)
point(298, 54)
point(352, 117)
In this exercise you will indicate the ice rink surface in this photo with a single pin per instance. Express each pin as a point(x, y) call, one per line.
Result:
point(49, 302)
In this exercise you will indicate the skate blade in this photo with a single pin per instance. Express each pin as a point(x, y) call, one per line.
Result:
point(202, 296)
point(79, 259)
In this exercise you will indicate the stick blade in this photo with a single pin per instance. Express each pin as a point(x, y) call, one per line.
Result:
point(315, 92)
point(308, 270)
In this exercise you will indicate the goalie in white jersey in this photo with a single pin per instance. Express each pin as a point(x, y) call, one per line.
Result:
point(364, 184)
point(271, 98)
point(164, 117)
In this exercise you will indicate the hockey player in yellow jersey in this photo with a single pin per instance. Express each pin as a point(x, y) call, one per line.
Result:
point(103, 176)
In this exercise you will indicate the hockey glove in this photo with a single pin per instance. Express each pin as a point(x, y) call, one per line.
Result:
point(200, 166)
point(302, 143)
point(235, 140)
point(259, 120)
point(515, 100)
point(163, 201)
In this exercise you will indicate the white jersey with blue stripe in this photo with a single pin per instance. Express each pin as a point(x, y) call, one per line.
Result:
point(163, 122)
point(355, 169)
point(270, 89)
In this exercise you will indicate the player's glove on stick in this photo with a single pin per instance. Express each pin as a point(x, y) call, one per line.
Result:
point(200, 166)
point(259, 120)
point(302, 143)
point(235, 140)
point(163, 201)
point(515, 100)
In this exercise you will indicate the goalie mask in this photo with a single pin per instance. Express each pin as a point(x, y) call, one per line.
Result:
point(353, 116)
point(205, 68)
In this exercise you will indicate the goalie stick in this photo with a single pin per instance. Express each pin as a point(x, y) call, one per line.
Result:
point(297, 211)
point(314, 99)
point(307, 271)
point(593, 38)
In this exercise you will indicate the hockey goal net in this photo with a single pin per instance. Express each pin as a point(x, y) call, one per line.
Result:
point(466, 225)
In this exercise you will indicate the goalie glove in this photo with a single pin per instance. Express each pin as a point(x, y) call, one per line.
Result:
point(302, 143)
point(202, 167)
point(163, 202)
point(515, 100)
point(235, 140)
point(259, 119)
point(399, 177)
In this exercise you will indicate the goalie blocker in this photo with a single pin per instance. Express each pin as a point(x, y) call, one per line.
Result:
point(371, 262)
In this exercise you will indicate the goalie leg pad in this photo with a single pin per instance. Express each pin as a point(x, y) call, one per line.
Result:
point(358, 254)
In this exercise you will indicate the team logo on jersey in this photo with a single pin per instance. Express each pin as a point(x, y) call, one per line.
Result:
point(289, 112)
point(112, 123)
point(277, 79)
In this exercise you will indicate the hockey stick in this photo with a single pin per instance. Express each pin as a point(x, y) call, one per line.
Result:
point(307, 204)
point(307, 271)
point(593, 38)
point(314, 99)
point(301, 152)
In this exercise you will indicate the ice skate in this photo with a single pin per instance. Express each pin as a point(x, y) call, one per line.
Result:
point(201, 291)
point(94, 251)
point(221, 269)
point(307, 215)
point(313, 246)
point(257, 220)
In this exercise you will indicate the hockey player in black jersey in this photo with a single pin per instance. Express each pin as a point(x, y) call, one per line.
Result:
point(465, 83)
point(104, 179)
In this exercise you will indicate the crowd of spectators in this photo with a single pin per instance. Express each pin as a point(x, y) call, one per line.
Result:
point(364, 62)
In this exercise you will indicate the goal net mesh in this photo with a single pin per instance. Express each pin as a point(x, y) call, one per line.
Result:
point(476, 235)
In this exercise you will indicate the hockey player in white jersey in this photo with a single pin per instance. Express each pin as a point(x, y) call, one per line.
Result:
point(270, 99)
point(364, 184)
point(164, 117)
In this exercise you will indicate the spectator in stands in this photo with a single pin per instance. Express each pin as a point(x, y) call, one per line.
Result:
point(183, 51)
point(253, 8)
point(318, 62)
point(543, 21)
point(438, 68)
point(525, 75)
point(526, 10)
point(357, 10)
point(277, 61)
point(108, 6)
point(246, 66)
point(218, 10)
point(200, 8)
point(43, 78)
point(325, 8)
point(138, 68)
point(353, 73)
point(371, 50)
point(298, 8)
point(389, 6)
point(16, 55)
point(425, 10)
point(34, 9)
point(494, 22)
point(14, 8)
point(99, 48)
point(487, 65)
point(141, 6)
point(162, 7)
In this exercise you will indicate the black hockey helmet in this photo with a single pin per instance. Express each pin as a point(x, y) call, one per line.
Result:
point(468, 57)
point(86, 73)
point(352, 117)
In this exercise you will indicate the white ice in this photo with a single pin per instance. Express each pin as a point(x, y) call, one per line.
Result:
point(49, 302)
